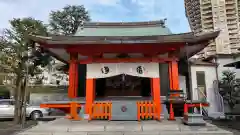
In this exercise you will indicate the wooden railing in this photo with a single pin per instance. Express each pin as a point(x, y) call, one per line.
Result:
point(146, 110)
point(101, 111)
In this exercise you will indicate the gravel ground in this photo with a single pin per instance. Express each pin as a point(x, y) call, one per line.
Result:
point(7, 126)
point(232, 126)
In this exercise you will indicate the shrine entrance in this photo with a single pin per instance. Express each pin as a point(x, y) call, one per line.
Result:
point(123, 86)
point(123, 79)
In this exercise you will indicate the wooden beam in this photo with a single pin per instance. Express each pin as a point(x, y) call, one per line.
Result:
point(125, 60)
point(90, 50)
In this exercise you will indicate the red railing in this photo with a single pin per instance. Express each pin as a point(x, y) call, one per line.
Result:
point(146, 110)
point(101, 110)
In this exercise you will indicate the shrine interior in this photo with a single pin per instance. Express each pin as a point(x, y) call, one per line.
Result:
point(123, 86)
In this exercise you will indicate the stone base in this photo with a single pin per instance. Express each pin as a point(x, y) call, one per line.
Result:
point(67, 127)
point(194, 120)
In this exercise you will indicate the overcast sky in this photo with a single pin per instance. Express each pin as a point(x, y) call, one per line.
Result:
point(101, 10)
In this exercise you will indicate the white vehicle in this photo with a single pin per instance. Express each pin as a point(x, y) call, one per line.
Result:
point(32, 112)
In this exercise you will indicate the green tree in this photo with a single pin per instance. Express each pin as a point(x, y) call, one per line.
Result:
point(229, 88)
point(22, 57)
point(68, 20)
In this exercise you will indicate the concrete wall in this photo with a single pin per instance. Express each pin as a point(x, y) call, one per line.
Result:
point(210, 77)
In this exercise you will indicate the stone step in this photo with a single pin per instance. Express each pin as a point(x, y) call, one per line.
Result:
point(131, 133)
point(194, 119)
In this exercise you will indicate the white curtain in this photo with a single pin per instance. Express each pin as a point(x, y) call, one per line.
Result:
point(104, 70)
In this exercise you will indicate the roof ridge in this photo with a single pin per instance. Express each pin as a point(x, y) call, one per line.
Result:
point(125, 24)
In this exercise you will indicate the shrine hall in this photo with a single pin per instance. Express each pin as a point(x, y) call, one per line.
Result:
point(125, 71)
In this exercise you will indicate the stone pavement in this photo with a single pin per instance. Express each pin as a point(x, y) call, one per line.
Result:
point(66, 127)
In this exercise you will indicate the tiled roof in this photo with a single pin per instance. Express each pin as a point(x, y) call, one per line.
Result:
point(123, 29)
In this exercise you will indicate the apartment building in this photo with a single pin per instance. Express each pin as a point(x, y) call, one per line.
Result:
point(213, 15)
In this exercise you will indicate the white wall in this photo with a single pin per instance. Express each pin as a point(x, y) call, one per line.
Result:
point(210, 76)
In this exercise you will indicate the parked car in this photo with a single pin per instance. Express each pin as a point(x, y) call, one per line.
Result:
point(32, 112)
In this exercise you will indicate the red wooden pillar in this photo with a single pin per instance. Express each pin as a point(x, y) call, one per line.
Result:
point(155, 83)
point(73, 75)
point(90, 96)
point(174, 84)
point(173, 75)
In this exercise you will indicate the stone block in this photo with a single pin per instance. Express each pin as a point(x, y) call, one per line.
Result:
point(70, 133)
point(105, 133)
point(177, 133)
point(194, 119)
point(198, 128)
point(123, 128)
point(142, 133)
point(169, 127)
point(213, 133)
point(86, 128)
point(195, 133)
point(49, 129)
point(34, 133)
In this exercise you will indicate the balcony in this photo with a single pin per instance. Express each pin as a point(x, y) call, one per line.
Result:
point(232, 25)
point(207, 13)
point(232, 22)
point(229, 2)
point(208, 26)
point(233, 32)
point(211, 49)
point(207, 18)
point(207, 7)
point(232, 12)
point(234, 42)
point(206, 2)
point(209, 21)
point(231, 17)
point(229, 7)
point(232, 29)
point(212, 44)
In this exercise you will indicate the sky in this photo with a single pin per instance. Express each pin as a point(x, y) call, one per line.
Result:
point(101, 10)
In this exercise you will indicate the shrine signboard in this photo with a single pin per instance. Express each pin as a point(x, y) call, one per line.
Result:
point(102, 70)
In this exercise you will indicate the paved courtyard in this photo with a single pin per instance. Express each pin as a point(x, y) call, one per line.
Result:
point(66, 127)
point(102, 127)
